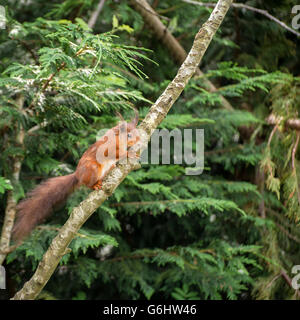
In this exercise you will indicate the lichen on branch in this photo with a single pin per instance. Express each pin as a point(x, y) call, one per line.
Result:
point(155, 116)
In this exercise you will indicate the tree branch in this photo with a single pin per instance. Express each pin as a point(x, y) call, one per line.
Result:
point(146, 203)
point(289, 235)
point(93, 19)
point(155, 116)
point(144, 6)
point(289, 123)
point(50, 78)
point(245, 6)
point(10, 211)
point(177, 51)
point(288, 280)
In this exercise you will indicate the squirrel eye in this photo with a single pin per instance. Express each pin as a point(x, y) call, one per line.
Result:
point(129, 135)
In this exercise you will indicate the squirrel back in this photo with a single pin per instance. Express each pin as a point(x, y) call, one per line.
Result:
point(91, 170)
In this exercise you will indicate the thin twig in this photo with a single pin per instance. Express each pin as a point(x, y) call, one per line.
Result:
point(78, 234)
point(245, 6)
point(27, 47)
point(282, 220)
point(274, 279)
point(289, 281)
point(272, 134)
point(9, 249)
point(52, 75)
point(37, 127)
point(93, 19)
point(155, 4)
point(224, 150)
point(287, 233)
point(153, 12)
point(145, 203)
point(295, 147)
point(154, 254)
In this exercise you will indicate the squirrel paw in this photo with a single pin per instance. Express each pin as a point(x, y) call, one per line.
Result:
point(98, 185)
point(112, 166)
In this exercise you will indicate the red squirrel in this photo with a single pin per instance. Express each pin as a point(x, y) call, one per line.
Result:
point(93, 166)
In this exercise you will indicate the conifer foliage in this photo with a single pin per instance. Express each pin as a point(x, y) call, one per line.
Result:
point(231, 232)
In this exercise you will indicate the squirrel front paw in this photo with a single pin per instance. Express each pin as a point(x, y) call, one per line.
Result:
point(98, 185)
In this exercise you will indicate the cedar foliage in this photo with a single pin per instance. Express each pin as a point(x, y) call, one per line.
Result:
point(162, 234)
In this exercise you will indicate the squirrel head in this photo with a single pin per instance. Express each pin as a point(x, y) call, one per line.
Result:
point(129, 129)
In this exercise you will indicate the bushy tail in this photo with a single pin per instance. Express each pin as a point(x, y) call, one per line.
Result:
point(40, 202)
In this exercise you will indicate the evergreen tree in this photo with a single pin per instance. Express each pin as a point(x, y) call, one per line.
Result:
point(231, 232)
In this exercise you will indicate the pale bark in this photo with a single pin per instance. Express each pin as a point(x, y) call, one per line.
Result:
point(177, 51)
point(246, 7)
point(11, 204)
point(158, 111)
point(289, 123)
point(95, 15)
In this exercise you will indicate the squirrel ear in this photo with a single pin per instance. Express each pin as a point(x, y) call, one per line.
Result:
point(135, 120)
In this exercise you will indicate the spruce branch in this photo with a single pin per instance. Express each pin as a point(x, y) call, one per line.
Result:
point(28, 48)
point(52, 75)
point(146, 203)
point(154, 254)
point(283, 222)
point(288, 234)
point(157, 113)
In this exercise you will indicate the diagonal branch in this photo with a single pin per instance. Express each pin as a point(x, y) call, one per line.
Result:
point(158, 111)
point(177, 51)
point(288, 280)
point(93, 19)
point(245, 6)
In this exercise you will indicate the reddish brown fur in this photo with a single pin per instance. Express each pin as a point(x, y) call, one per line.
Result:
point(41, 201)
